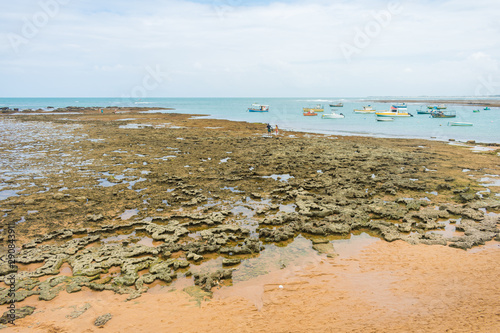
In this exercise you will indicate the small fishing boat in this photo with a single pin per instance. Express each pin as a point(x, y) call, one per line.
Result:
point(338, 105)
point(437, 107)
point(258, 108)
point(400, 106)
point(423, 111)
point(476, 110)
point(366, 109)
point(317, 108)
point(384, 119)
point(333, 115)
point(393, 112)
point(486, 108)
point(459, 123)
point(444, 114)
point(310, 113)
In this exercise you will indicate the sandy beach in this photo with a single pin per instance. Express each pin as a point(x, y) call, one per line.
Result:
point(178, 223)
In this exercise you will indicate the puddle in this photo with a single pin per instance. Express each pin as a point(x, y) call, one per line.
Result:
point(135, 126)
point(129, 213)
point(288, 208)
point(166, 158)
point(449, 230)
point(117, 238)
point(5, 194)
point(105, 183)
point(282, 178)
point(478, 149)
point(488, 181)
point(232, 189)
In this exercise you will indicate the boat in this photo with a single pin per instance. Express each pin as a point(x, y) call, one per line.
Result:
point(437, 107)
point(486, 108)
point(423, 111)
point(366, 109)
point(258, 108)
point(393, 112)
point(384, 119)
point(400, 106)
point(333, 115)
point(444, 114)
point(338, 105)
point(317, 108)
point(458, 123)
point(310, 113)
point(476, 110)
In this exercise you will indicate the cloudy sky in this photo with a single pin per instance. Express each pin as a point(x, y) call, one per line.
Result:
point(239, 48)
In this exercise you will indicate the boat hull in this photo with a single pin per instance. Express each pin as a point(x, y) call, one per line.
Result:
point(365, 111)
point(333, 116)
point(457, 123)
point(312, 110)
point(393, 114)
point(253, 110)
point(444, 114)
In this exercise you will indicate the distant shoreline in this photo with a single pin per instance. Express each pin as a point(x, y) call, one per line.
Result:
point(489, 102)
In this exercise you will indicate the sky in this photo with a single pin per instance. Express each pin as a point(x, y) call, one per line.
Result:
point(237, 48)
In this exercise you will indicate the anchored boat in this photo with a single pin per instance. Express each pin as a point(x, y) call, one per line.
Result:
point(333, 115)
point(310, 113)
point(437, 107)
point(444, 114)
point(400, 107)
point(258, 108)
point(394, 112)
point(366, 109)
point(338, 105)
point(458, 123)
point(317, 108)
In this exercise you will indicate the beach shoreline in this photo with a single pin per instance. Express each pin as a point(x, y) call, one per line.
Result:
point(132, 204)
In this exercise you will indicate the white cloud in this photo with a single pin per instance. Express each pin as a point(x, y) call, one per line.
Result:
point(275, 49)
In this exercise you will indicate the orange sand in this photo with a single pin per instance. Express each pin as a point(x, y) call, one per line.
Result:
point(385, 287)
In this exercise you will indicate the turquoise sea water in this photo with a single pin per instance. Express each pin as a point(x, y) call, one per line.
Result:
point(287, 114)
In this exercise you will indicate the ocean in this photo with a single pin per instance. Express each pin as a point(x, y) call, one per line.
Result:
point(287, 114)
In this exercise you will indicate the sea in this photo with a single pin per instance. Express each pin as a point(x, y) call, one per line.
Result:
point(287, 114)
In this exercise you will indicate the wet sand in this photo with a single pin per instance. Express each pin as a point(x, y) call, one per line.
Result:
point(386, 287)
point(189, 224)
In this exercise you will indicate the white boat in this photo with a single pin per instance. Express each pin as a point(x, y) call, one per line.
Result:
point(400, 107)
point(333, 115)
point(366, 109)
point(459, 123)
point(258, 108)
point(393, 112)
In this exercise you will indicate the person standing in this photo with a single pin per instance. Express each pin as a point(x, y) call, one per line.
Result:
point(269, 129)
point(276, 130)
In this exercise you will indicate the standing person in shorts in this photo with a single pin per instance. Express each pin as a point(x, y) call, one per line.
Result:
point(276, 130)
